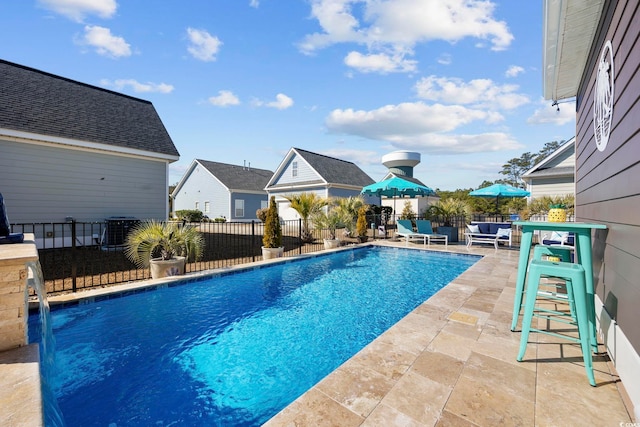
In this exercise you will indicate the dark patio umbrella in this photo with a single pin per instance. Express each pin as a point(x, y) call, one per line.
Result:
point(397, 187)
point(499, 190)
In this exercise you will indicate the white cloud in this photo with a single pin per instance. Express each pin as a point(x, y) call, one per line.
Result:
point(380, 62)
point(224, 98)
point(76, 10)
point(254, 3)
point(513, 71)
point(105, 43)
point(459, 144)
point(445, 59)
point(138, 87)
point(475, 92)
point(399, 25)
point(203, 45)
point(548, 114)
point(282, 102)
point(396, 122)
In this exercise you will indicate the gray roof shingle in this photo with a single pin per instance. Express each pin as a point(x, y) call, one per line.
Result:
point(336, 171)
point(238, 177)
point(42, 103)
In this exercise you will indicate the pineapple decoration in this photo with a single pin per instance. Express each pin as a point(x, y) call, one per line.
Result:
point(557, 213)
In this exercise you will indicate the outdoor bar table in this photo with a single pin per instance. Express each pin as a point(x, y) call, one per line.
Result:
point(582, 231)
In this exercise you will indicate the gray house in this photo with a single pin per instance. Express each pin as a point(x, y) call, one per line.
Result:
point(555, 174)
point(302, 171)
point(222, 190)
point(71, 150)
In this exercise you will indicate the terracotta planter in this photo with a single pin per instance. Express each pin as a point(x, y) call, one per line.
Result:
point(557, 215)
point(331, 243)
point(164, 268)
point(363, 239)
point(270, 253)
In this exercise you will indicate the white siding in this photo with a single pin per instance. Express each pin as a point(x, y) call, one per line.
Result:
point(44, 183)
point(200, 186)
point(551, 187)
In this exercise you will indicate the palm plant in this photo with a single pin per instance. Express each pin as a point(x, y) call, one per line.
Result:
point(307, 205)
point(166, 240)
point(349, 207)
point(448, 209)
point(331, 219)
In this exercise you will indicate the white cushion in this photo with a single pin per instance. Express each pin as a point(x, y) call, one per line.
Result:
point(502, 232)
point(559, 236)
point(474, 228)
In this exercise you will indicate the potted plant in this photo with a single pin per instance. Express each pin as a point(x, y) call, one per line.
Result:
point(361, 225)
point(446, 211)
point(164, 247)
point(330, 219)
point(272, 237)
point(307, 205)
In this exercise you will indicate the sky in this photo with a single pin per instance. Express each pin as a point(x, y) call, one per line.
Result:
point(244, 81)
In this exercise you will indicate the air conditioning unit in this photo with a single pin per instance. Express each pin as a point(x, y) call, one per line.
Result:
point(117, 228)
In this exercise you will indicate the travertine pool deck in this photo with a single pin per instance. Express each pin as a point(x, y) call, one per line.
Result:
point(450, 362)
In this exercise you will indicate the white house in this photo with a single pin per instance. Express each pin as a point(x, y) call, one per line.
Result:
point(72, 150)
point(222, 190)
point(555, 174)
point(303, 171)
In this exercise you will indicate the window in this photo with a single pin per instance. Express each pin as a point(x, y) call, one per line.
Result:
point(239, 208)
point(294, 169)
point(197, 206)
point(264, 204)
point(206, 207)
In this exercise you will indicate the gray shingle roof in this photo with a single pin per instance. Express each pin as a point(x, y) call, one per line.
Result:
point(238, 177)
point(336, 171)
point(42, 103)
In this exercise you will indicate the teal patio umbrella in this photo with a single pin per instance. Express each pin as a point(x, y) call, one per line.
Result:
point(397, 187)
point(499, 190)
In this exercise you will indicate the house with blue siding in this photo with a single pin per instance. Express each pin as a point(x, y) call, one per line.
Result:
point(302, 171)
point(221, 190)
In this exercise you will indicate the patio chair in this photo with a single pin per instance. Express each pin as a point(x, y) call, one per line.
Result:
point(405, 229)
point(424, 227)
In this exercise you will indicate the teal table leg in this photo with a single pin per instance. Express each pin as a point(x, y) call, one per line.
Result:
point(584, 255)
point(523, 262)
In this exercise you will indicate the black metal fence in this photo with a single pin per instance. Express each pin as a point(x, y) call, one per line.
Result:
point(81, 255)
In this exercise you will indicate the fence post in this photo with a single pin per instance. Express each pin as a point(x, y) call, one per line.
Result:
point(253, 239)
point(74, 260)
point(300, 236)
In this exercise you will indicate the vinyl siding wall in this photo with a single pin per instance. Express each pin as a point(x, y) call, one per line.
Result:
point(200, 186)
point(44, 183)
point(551, 187)
point(608, 188)
point(252, 202)
point(304, 172)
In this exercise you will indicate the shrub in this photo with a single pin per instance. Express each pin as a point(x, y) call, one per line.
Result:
point(272, 237)
point(261, 214)
point(361, 224)
point(189, 215)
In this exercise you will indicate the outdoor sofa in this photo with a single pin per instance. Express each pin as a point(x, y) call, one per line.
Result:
point(488, 232)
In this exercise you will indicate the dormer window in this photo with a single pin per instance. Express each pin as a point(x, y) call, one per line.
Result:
point(294, 169)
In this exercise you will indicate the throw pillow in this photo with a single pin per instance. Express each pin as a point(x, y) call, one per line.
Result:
point(559, 236)
point(503, 232)
point(473, 228)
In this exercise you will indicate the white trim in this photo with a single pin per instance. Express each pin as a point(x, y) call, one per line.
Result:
point(623, 356)
point(74, 144)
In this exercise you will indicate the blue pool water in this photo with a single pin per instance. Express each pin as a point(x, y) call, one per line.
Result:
point(235, 349)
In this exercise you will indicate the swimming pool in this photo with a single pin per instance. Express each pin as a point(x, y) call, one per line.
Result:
point(234, 349)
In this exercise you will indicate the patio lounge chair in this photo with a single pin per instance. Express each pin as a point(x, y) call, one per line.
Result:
point(405, 229)
point(424, 227)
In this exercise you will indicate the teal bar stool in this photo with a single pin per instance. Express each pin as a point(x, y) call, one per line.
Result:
point(574, 276)
point(564, 253)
